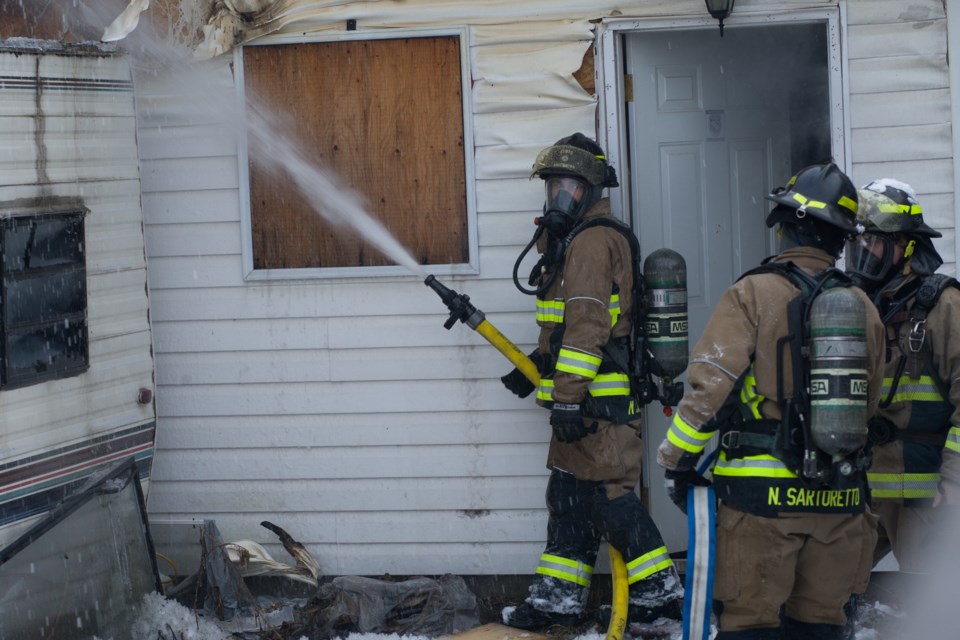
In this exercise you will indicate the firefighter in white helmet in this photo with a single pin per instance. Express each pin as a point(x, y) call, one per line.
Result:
point(916, 432)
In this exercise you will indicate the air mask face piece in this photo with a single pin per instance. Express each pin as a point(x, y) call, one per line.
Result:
point(563, 204)
point(870, 256)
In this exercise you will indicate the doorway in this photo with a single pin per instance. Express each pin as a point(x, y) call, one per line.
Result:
point(710, 126)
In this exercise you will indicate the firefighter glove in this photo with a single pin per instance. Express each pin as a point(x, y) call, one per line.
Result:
point(678, 484)
point(566, 420)
point(517, 383)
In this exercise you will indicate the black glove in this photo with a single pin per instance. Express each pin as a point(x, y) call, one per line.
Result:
point(517, 383)
point(678, 483)
point(567, 422)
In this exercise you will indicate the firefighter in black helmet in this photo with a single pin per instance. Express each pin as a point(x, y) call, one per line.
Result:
point(584, 310)
point(790, 550)
point(916, 432)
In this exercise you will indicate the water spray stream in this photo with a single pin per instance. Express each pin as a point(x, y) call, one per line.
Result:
point(337, 204)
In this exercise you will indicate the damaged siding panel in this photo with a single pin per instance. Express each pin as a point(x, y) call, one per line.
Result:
point(227, 28)
point(510, 161)
point(528, 93)
point(517, 194)
point(530, 127)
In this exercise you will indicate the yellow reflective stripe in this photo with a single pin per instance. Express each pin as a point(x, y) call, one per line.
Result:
point(850, 204)
point(614, 308)
point(912, 209)
point(903, 485)
point(578, 362)
point(550, 310)
point(565, 569)
point(922, 389)
point(749, 396)
point(953, 439)
point(763, 466)
point(687, 437)
point(604, 385)
point(648, 564)
point(805, 203)
point(610, 384)
point(545, 390)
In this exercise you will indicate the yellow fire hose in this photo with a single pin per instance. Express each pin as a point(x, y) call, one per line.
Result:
point(461, 309)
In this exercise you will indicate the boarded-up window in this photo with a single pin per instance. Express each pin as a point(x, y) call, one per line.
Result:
point(386, 116)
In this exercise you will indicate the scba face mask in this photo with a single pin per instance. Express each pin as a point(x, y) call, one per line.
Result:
point(870, 257)
point(563, 206)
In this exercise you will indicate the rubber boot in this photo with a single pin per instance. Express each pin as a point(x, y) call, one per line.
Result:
point(796, 630)
point(852, 611)
point(659, 596)
point(551, 602)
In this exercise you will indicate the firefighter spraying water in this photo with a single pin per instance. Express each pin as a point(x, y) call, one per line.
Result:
point(605, 333)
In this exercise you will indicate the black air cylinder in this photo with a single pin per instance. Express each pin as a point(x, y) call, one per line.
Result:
point(665, 276)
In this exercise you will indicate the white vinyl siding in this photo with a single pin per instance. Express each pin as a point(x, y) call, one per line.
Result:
point(900, 105)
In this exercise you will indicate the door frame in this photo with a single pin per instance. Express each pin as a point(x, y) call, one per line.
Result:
point(612, 131)
point(612, 112)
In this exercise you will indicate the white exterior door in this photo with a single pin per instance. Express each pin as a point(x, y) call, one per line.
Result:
point(705, 148)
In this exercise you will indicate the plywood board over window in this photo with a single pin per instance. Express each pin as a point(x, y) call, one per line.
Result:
point(385, 116)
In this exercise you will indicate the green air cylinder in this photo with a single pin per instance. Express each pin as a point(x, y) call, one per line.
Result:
point(665, 277)
point(838, 371)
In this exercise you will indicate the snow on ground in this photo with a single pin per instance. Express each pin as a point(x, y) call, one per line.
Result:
point(167, 619)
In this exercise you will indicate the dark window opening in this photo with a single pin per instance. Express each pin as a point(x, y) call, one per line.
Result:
point(43, 298)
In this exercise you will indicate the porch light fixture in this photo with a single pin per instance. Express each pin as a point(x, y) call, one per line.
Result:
point(720, 9)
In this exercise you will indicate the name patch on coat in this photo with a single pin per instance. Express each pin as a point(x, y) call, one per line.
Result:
point(799, 497)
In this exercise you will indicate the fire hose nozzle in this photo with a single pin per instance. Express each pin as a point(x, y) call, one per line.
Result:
point(458, 304)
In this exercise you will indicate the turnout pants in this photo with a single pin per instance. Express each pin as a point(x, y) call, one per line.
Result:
point(808, 562)
point(581, 515)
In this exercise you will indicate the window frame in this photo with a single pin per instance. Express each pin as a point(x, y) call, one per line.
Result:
point(471, 267)
point(67, 212)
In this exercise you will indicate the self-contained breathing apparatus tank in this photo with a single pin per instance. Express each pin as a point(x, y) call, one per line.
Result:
point(838, 374)
point(665, 280)
point(823, 428)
